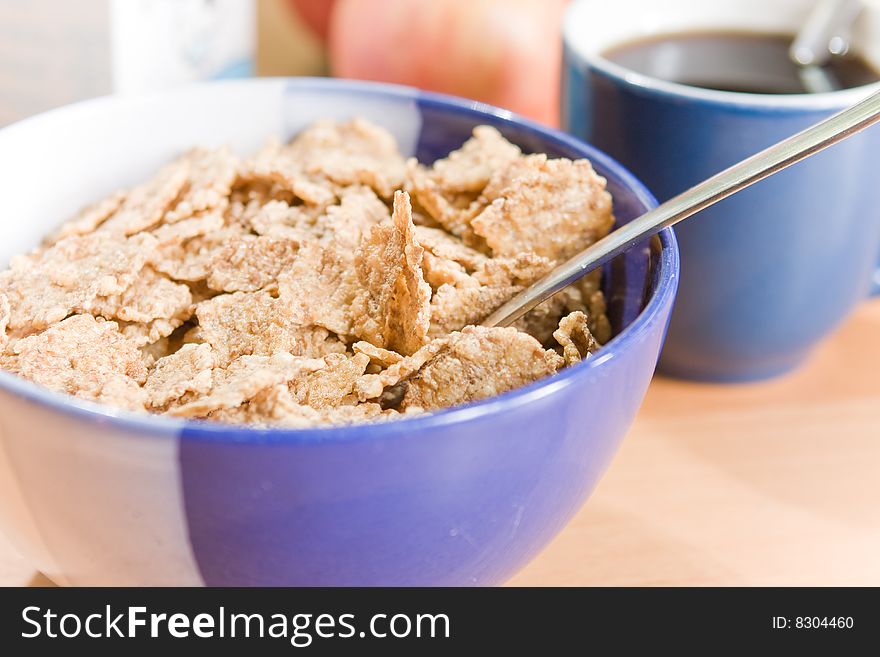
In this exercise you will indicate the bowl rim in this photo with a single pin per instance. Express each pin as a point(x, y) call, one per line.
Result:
point(163, 426)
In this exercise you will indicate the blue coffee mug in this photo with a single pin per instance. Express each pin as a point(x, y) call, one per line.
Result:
point(769, 272)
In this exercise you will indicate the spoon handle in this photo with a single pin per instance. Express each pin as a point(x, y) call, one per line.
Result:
point(739, 176)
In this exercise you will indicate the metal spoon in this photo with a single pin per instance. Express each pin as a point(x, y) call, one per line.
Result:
point(825, 34)
point(739, 176)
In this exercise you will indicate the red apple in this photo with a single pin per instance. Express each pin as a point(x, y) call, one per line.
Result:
point(504, 52)
point(315, 14)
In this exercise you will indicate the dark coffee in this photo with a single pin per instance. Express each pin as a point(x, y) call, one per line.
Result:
point(734, 61)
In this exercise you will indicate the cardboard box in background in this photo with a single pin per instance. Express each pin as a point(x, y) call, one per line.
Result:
point(285, 46)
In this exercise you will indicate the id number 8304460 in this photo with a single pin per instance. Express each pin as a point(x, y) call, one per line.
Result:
point(813, 622)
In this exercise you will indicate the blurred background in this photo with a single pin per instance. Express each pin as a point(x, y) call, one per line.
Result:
point(53, 52)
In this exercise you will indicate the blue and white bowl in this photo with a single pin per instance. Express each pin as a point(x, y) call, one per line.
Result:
point(467, 496)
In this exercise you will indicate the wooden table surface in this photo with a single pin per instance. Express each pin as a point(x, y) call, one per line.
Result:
point(775, 483)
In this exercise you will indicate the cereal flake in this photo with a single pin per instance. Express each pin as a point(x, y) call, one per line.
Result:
point(477, 363)
point(211, 172)
point(5, 314)
point(334, 383)
point(71, 276)
point(86, 357)
point(320, 284)
point(554, 208)
point(575, 338)
point(276, 407)
point(371, 386)
point(88, 219)
point(383, 357)
point(279, 219)
point(145, 205)
point(469, 168)
point(496, 281)
point(190, 260)
point(152, 296)
point(188, 371)
point(275, 165)
point(353, 153)
point(443, 245)
point(186, 229)
point(249, 263)
point(256, 323)
point(243, 379)
point(392, 310)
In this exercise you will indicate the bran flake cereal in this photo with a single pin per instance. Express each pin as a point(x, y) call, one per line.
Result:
point(448, 247)
point(249, 263)
point(150, 297)
point(321, 286)
point(87, 219)
point(72, 275)
point(450, 190)
point(86, 357)
point(186, 229)
point(274, 166)
point(190, 259)
point(477, 363)
point(150, 336)
point(327, 281)
point(277, 218)
point(383, 357)
point(258, 324)
point(331, 385)
point(371, 386)
point(554, 208)
point(352, 153)
point(497, 280)
point(470, 167)
point(5, 314)
point(574, 336)
point(243, 379)
point(189, 370)
point(211, 173)
point(440, 271)
point(145, 205)
point(392, 309)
